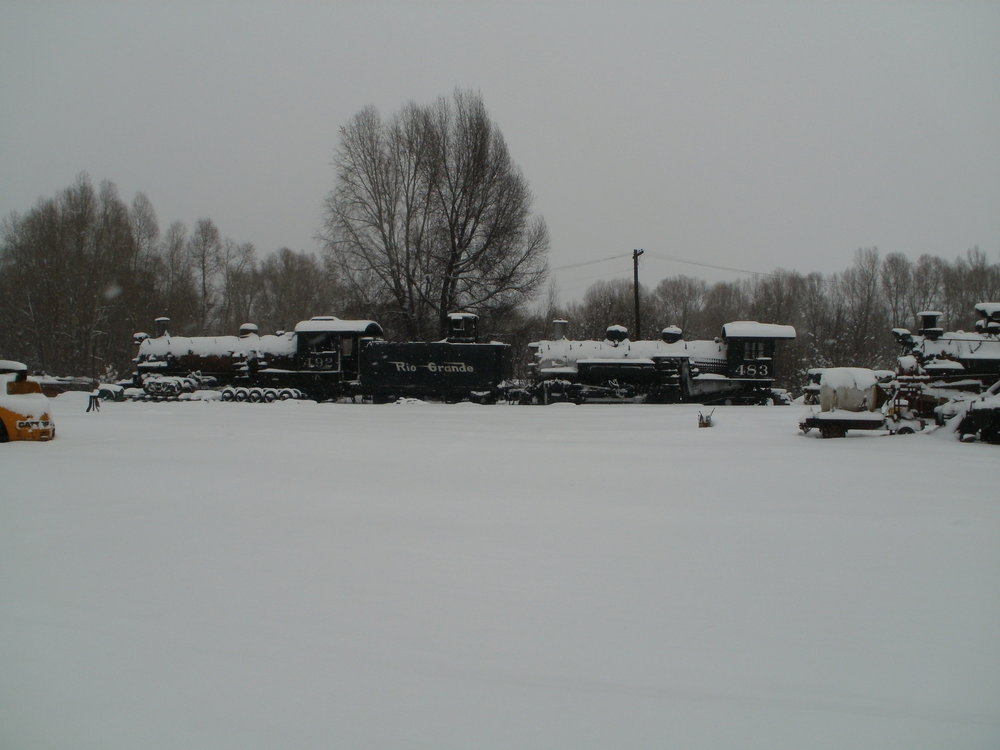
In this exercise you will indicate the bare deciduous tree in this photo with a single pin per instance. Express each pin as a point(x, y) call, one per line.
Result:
point(430, 214)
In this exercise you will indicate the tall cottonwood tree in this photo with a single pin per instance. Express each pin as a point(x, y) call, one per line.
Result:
point(430, 214)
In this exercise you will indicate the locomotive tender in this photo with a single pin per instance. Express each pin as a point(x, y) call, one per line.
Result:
point(327, 358)
point(738, 367)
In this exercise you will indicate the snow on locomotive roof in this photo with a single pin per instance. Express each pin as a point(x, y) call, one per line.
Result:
point(943, 364)
point(961, 345)
point(989, 309)
point(331, 324)
point(203, 346)
point(567, 353)
point(751, 329)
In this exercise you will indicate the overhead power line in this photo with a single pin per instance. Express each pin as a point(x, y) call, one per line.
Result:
point(591, 262)
point(710, 265)
point(675, 259)
point(663, 257)
point(771, 274)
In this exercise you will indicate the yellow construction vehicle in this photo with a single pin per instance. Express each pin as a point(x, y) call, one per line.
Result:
point(24, 409)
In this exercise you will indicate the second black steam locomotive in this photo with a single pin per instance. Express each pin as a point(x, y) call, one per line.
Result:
point(327, 358)
point(738, 367)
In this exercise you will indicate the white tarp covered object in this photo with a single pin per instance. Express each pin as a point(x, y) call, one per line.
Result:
point(850, 389)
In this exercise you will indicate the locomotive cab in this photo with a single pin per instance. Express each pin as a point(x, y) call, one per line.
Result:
point(330, 345)
point(750, 348)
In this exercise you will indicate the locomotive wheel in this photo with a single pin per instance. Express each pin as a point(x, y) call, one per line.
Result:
point(241, 394)
point(285, 393)
point(256, 395)
point(270, 395)
point(228, 395)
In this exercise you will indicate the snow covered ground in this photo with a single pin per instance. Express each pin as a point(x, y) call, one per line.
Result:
point(299, 575)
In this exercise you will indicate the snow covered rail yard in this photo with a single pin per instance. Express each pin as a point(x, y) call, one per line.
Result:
point(200, 574)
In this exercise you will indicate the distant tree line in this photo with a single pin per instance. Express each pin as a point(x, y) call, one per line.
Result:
point(82, 272)
point(843, 319)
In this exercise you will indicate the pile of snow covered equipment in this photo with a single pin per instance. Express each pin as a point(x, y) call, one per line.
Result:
point(944, 374)
point(24, 409)
point(973, 417)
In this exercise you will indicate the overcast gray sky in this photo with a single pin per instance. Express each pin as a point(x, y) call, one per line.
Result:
point(754, 135)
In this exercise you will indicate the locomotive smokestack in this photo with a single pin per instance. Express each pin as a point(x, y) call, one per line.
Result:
point(929, 325)
point(616, 334)
point(671, 334)
point(247, 328)
point(160, 326)
point(559, 329)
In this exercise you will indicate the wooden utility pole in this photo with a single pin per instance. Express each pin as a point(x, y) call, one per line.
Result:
point(637, 334)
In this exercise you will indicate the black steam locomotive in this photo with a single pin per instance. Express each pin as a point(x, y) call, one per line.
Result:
point(325, 358)
point(736, 368)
